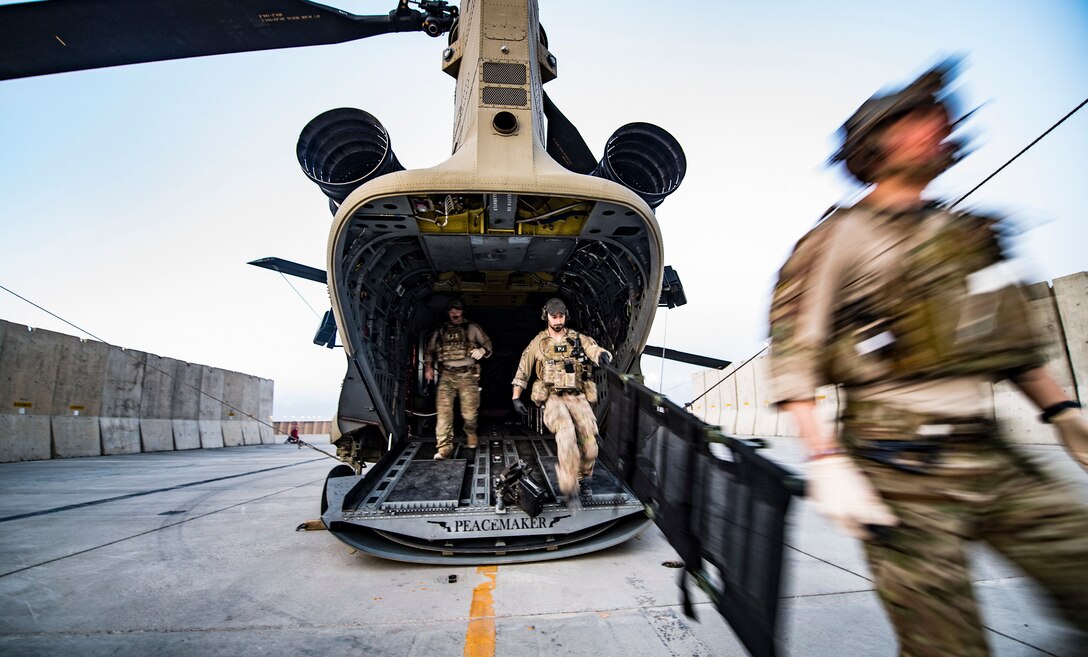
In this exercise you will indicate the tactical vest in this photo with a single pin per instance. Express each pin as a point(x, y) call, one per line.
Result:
point(950, 307)
point(561, 365)
point(453, 342)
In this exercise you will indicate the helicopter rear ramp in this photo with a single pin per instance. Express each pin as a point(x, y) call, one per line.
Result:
point(410, 507)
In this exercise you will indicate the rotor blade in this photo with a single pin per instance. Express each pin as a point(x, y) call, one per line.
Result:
point(38, 38)
point(685, 357)
point(565, 143)
point(292, 269)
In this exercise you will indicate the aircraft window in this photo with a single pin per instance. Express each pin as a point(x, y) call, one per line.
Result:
point(389, 206)
point(625, 231)
point(368, 206)
point(629, 213)
point(608, 213)
point(382, 226)
point(594, 231)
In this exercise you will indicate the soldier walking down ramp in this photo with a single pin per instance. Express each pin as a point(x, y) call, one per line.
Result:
point(457, 347)
point(557, 356)
point(909, 307)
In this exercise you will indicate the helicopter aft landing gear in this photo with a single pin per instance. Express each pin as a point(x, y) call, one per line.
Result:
point(360, 447)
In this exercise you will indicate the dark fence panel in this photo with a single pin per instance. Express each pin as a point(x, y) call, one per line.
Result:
point(720, 504)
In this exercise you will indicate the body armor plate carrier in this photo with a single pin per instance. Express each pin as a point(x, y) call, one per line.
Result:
point(563, 365)
point(453, 342)
point(954, 311)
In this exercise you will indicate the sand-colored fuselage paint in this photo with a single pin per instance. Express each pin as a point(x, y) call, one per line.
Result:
point(480, 638)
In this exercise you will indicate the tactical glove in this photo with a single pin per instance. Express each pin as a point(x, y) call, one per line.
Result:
point(1073, 433)
point(845, 495)
point(478, 353)
point(519, 406)
point(604, 359)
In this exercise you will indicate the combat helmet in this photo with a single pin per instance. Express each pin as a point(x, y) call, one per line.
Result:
point(859, 150)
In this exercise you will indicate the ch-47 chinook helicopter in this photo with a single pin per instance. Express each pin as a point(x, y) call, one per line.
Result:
point(519, 213)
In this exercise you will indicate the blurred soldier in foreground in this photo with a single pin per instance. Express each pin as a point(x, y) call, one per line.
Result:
point(457, 346)
point(558, 355)
point(911, 309)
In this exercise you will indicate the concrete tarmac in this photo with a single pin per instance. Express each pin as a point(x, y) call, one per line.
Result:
point(196, 553)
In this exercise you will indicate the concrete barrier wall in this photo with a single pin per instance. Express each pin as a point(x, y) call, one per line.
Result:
point(186, 406)
point(267, 387)
point(1071, 295)
point(727, 398)
point(766, 411)
point(233, 388)
point(28, 375)
point(61, 396)
point(211, 408)
point(745, 378)
point(77, 399)
point(28, 370)
point(716, 397)
point(1060, 310)
point(713, 397)
point(157, 404)
point(120, 419)
point(1017, 415)
point(699, 386)
point(251, 395)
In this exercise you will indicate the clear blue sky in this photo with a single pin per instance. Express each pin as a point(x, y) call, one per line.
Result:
point(131, 198)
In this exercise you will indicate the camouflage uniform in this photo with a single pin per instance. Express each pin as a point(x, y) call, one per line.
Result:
point(562, 385)
point(910, 313)
point(458, 376)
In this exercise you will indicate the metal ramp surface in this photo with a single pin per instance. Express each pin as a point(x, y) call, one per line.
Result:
point(410, 507)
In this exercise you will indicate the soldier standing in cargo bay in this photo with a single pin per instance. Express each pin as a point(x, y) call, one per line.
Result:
point(457, 346)
point(558, 355)
point(908, 306)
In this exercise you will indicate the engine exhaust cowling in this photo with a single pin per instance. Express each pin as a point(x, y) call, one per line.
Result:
point(645, 159)
point(342, 149)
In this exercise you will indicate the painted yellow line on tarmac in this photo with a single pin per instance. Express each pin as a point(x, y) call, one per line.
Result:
point(480, 638)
